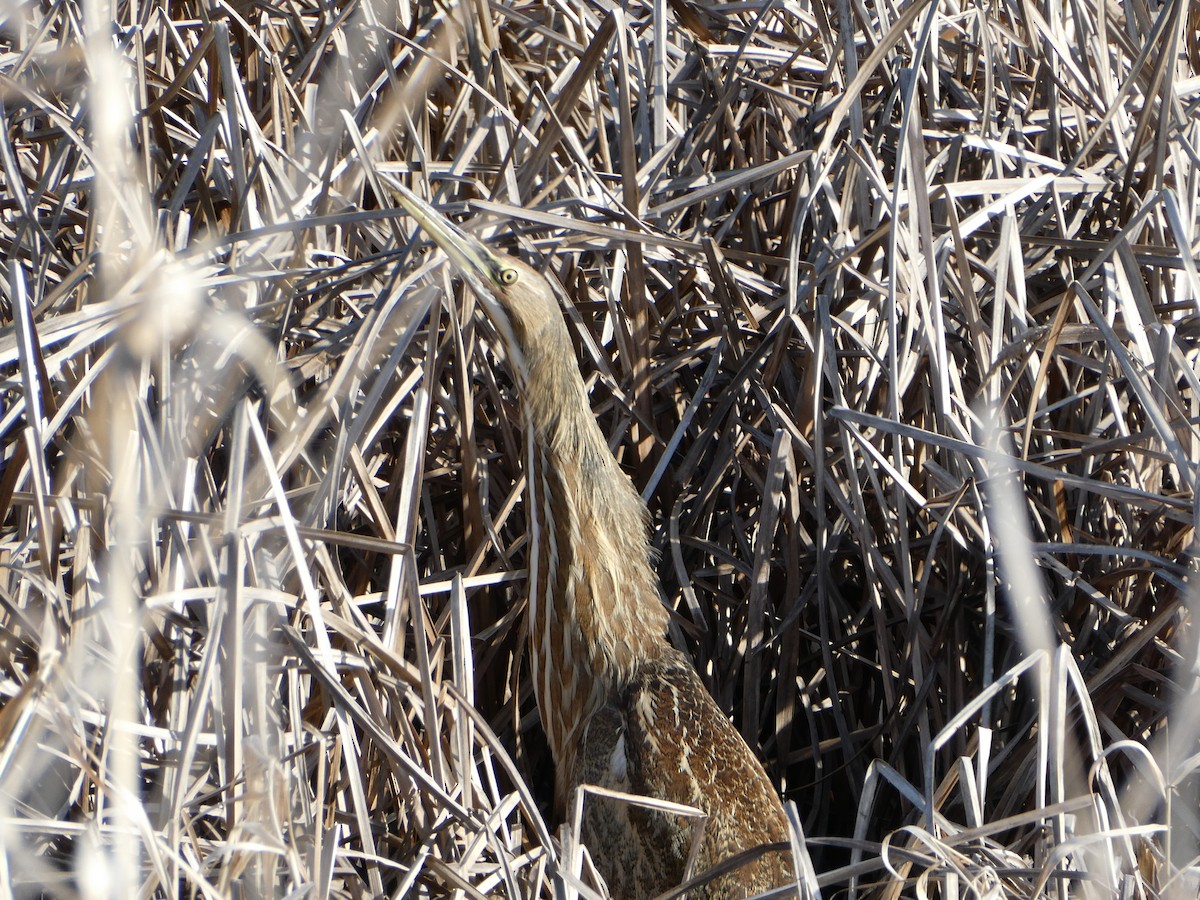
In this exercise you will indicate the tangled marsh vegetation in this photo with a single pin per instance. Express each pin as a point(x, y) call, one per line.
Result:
point(889, 310)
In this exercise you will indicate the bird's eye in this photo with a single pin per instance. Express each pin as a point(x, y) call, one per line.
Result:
point(508, 277)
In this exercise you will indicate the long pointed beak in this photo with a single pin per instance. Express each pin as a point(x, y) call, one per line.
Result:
point(472, 259)
point(475, 262)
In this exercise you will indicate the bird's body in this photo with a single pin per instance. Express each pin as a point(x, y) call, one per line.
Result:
point(621, 707)
point(667, 738)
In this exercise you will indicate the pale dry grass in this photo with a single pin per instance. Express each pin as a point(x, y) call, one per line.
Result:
point(889, 311)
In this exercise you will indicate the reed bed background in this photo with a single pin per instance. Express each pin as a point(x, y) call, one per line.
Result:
point(890, 311)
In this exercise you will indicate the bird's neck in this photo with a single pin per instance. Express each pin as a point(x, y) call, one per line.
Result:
point(594, 600)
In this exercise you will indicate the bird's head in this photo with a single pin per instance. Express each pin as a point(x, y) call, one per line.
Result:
point(517, 298)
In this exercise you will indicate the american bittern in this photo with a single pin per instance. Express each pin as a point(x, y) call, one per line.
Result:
point(621, 707)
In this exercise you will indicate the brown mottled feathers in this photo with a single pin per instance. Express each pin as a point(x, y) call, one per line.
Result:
point(665, 737)
point(621, 708)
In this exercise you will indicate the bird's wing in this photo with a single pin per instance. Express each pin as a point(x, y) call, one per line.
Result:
point(679, 746)
point(665, 737)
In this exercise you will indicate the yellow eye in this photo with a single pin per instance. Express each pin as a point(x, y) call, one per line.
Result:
point(508, 277)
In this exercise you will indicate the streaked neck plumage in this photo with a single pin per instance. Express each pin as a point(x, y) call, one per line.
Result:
point(595, 612)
